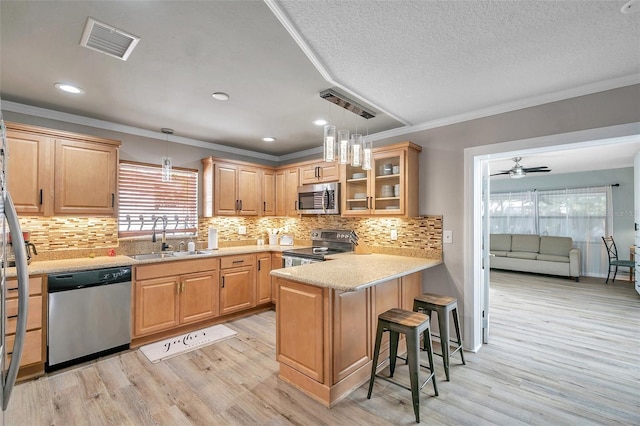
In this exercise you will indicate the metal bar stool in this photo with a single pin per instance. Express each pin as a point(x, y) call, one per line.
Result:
point(442, 305)
point(411, 324)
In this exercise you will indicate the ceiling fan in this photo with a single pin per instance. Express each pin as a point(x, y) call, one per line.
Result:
point(517, 171)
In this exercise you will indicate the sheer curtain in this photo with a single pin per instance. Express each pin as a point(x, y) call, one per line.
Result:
point(579, 213)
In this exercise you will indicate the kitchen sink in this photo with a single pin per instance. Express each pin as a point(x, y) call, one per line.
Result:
point(168, 254)
point(191, 253)
point(149, 256)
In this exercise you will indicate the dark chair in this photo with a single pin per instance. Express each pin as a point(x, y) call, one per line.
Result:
point(612, 252)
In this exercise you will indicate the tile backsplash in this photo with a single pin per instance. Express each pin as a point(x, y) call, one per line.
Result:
point(68, 237)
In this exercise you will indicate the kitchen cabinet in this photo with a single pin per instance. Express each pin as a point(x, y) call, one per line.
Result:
point(325, 337)
point(276, 263)
point(61, 172)
point(317, 173)
point(263, 278)
point(231, 188)
point(237, 283)
point(171, 294)
point(268, 192)
point(236, 190)
point(287, 183)
point(390, 188)
point(34, 352)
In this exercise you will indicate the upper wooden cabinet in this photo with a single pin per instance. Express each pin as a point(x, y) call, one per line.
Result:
point(316, 173)
point(268, 192)
point(231, 188)
point(52, 172)
point(287, 192)
point(390, 188)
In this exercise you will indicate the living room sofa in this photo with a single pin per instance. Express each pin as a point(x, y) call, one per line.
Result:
point(534, 253)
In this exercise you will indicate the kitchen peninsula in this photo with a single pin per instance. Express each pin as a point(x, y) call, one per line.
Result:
point(326, 318)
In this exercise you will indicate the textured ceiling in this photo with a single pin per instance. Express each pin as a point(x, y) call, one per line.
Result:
point(416, 63)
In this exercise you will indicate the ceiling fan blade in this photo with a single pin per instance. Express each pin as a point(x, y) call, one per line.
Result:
point(535, 169)
point(538, 171)
point(504, 172)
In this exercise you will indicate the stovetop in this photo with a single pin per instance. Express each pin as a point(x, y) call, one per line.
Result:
point(312, 252)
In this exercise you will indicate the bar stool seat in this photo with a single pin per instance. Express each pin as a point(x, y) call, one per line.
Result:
point(429, 302)
point(411, 324)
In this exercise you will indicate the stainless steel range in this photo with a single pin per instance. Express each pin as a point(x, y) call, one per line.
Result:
point(325, 242)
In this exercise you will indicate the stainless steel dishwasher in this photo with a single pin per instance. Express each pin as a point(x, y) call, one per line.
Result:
point(89, 315)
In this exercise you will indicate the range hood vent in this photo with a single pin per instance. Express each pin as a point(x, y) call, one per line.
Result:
point(339, 99)
point(107, 39)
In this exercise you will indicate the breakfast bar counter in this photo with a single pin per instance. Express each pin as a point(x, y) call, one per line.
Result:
point(326, 315)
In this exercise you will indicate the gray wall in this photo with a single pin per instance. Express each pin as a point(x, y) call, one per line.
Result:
point(623, 197)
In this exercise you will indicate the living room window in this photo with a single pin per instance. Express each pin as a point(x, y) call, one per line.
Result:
point(579, 213)
point(143, 197)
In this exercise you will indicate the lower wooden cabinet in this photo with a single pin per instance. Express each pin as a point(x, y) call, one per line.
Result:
point(237, 288)
point(35, 344)
point(263, 278)
point(276, 263)
point(325, 337)
point(166, 295)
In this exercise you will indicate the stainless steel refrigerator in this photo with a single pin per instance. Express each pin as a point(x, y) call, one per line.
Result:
point(10, 224)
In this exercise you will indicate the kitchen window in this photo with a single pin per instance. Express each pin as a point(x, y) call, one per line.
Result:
point(143, 198)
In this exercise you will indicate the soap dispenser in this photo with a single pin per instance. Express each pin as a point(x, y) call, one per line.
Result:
point(191, 247)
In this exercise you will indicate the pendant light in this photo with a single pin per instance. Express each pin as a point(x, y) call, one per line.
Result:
point(343, 146)
point(166, 161)
point(329, 143)
point(356, 150)
point(367, 154)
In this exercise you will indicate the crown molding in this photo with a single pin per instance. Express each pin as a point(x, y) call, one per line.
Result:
point(131, 130)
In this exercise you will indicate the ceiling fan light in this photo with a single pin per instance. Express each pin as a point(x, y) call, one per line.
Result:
point(517, 173)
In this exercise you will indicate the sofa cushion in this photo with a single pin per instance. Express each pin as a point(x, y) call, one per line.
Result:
point(522, 255)
point(500, 242)
point(526, 243)
point(558, 246)
point(553, 258)
point(499, 253)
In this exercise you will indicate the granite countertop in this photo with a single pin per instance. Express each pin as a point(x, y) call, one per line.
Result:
point(85, 263)
point(353, 272)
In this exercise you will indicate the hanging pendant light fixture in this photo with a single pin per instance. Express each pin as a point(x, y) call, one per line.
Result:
point(166, 161)
point(329, 143)
point(345, 150)
point(343, 146)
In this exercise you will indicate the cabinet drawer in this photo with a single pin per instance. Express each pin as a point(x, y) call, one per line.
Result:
point(32, 351)
point(173, 268)
point(35, 287)
point(235, 261)
point(34, 318)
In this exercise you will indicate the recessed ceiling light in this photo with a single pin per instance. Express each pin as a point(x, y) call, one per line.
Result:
point(320, 122)
point(69, 88)
point(269, 139)
point(221, 96)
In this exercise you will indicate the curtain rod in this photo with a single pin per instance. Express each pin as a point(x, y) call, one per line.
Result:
point(557, 189)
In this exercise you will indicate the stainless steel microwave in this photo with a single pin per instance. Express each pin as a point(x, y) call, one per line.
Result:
point(320, 198)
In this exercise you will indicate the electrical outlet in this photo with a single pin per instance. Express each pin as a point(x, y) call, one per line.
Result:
point(242, 230)
point(394, 234)
point(447, 237)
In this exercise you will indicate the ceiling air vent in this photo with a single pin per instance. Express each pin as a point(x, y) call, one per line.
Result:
point(107, 39)
point(339, 99)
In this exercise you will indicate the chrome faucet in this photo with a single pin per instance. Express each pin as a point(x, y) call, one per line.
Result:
point(165, 246)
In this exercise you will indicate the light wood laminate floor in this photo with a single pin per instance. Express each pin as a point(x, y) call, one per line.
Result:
point(561, 353)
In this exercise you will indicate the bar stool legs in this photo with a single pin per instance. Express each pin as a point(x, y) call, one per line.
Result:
point(442, 305)
point(411, 324)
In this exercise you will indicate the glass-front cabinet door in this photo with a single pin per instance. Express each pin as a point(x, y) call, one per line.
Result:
point(379, 191)
point(390, 188)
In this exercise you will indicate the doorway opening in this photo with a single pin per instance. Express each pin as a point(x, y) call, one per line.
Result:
point(477, 186)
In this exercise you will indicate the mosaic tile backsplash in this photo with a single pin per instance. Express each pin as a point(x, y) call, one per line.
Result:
point(69, 237)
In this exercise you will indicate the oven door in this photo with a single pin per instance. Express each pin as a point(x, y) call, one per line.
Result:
point(319, 199)
point(289, 261)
